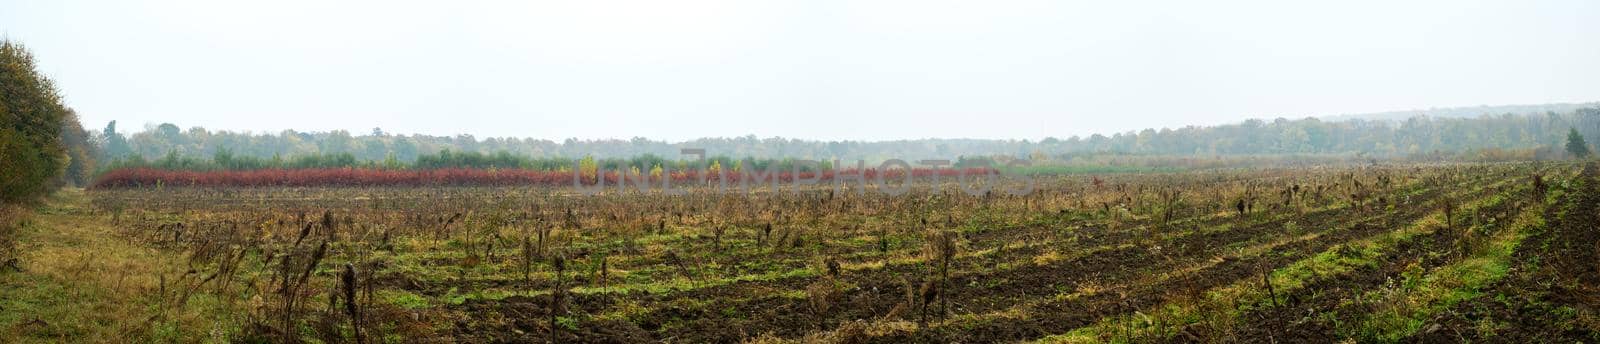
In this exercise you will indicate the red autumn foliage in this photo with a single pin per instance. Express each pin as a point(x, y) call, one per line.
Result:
point(360, 177)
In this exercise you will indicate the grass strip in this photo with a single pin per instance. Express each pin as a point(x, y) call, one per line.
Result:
point(1243, 295)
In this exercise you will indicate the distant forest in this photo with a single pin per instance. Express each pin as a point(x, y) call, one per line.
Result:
point(1506, 137)
point(1467, 112)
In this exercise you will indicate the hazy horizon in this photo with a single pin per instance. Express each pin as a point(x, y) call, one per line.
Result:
point(828, 70)
point(1398, 115)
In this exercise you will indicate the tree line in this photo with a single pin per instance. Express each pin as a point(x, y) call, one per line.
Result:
point(1527, 136)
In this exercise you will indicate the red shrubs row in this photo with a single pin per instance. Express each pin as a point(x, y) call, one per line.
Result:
point(148, 177)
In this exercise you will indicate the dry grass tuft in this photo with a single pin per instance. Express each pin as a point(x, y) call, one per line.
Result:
point(80, 282)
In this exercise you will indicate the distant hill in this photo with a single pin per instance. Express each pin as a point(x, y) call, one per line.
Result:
point(1464, 112)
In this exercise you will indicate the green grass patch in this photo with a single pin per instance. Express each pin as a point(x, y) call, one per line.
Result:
point(1402, 311)
point(1250, 294)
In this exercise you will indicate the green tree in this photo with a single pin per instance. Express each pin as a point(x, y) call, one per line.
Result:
point(113, 144)
point(31, 117)
point(1576, 145)
point(81, 154)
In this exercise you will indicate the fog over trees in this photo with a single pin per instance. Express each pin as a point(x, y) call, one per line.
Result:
point(1531, 135)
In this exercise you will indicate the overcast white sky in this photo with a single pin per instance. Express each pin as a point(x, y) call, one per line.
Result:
point(818, 69)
